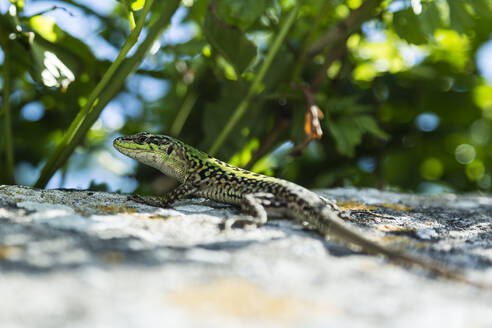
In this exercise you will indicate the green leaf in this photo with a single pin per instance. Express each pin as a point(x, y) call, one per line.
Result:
point(46, 27)
point(348, 130)
point(347, 135)
point(137, 4)
point(482, 7)
point(459, 16)
point(347, 105)
point(369, 124)
point(189, 48)
point(230, 42)
point(407, 26)
point(241, 13)
point(430, 19)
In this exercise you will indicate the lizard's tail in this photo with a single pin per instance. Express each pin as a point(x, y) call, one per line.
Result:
point(332, 224)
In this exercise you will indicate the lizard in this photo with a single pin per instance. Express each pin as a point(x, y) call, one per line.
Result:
point(257, 195)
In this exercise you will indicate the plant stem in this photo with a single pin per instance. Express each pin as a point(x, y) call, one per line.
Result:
point(7, 133)
point(255, 85)
point(107, 89)
point(183, 112)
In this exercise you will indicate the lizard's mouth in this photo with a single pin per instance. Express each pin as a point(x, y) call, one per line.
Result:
point(126, 148)
point(118, 145)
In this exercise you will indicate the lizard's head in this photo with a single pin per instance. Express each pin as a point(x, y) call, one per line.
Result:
point(161, 152)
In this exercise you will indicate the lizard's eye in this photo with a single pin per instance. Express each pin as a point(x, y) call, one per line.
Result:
point(169, 150)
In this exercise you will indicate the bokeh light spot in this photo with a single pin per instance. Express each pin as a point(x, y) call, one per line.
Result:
point(465, 153)
point(33, 111)
point(367, 164)
point(427, 122)
point(431, 169)
point(475, 170)
point(480, 131)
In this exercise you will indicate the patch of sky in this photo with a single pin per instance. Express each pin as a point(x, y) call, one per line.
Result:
point(26, 174)
point(412, 55)
point(133, 106)
point(81, 179)
point(69, 18)
point(260, 39)
point(80, 25)
point(373, 32)
point(55, 181)
point(367, 164)
point(113, 115)
point(33, 111)
point(398, 5)
point(105, 166)
point(484, 61)
point(86, 27)
point(179, 32)
point(101, 48)
point(101, 7)
point(283, 149)
point(151, 89)
point(427, 122)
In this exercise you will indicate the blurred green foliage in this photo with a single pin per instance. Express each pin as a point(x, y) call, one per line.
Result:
point(364, 93)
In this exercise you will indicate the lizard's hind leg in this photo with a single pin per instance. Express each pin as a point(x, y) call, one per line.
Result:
point(253, 205)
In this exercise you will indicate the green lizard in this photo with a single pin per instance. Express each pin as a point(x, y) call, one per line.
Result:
point(259, 196)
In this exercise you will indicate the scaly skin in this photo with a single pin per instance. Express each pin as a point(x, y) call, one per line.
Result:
point(256, 194)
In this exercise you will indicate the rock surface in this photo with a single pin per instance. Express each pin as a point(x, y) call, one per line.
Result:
point(92, 259)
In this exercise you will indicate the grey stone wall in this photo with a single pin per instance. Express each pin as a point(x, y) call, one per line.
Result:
point(92, 259)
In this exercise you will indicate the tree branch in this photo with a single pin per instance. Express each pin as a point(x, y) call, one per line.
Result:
point(344, 28)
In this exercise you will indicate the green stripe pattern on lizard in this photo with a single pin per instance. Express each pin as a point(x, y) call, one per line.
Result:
point(257, 195)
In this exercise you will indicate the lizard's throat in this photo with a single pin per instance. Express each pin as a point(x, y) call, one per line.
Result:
point(168, 166)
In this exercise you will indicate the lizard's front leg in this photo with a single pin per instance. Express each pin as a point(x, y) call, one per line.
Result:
point(179, 192)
